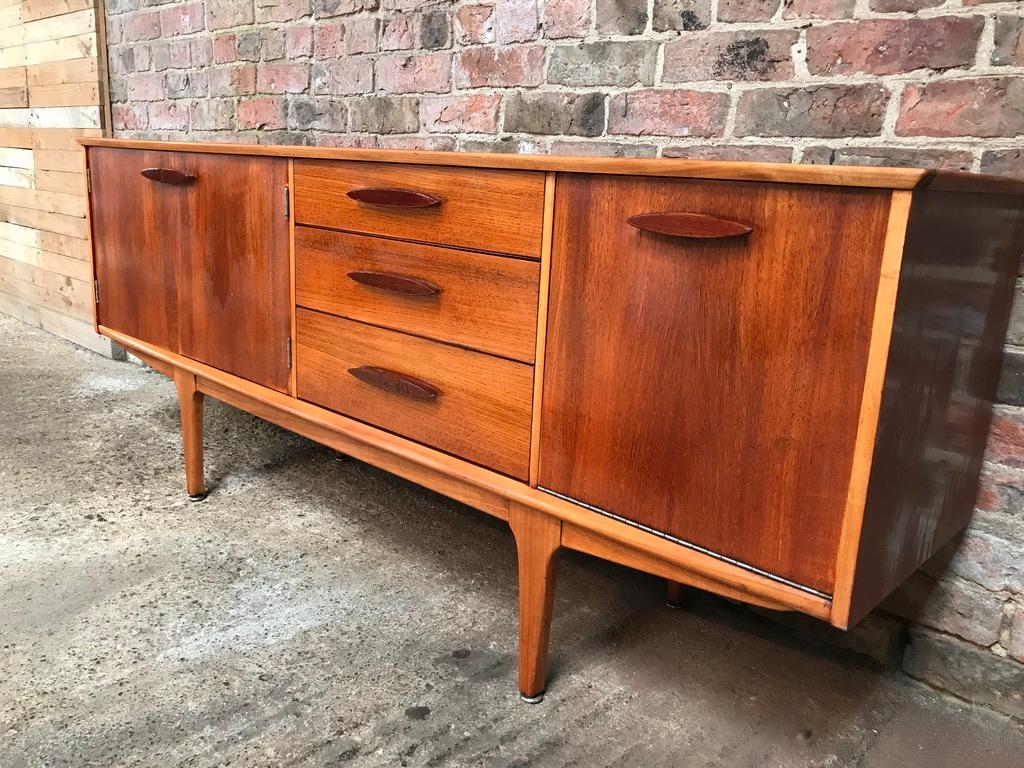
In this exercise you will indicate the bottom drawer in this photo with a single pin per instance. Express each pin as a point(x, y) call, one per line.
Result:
point(465, 403)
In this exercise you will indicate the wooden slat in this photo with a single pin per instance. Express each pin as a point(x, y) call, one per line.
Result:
point(58, 160)
point(41, 9)
point(16, 137)
point(77, 24)
point(61, 181)
point(60, 50)
point(55, 263)
point(84, 70)
point(16, 177)
point(51, 222)
point(50, 202)
point(73, 301)
point(41, 316)
point(16, 158)
point(68, 94)
point(69, 245)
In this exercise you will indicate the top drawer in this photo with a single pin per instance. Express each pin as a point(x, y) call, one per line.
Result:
point(488, 210)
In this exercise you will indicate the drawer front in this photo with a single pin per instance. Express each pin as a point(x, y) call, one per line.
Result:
point(466, 403)
point(488, 210)
point(475, 300)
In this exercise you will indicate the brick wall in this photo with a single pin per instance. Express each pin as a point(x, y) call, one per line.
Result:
point(920, 82)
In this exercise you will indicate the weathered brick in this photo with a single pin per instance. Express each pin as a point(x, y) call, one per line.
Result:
point(142, 26)
point(566, 18)
point(129, 117)
point(170, 55)
point(474, 24)
point(361, 35)
point(1006, 437)
point(516, 21)
point(146, 86)
point(818, 9)
point(900, 157)
point(951, 605)
point(742, 152)
point(435, 30)
point(200, 50)
point(972, 673)
point(281, 10)
point(602, 149)
point(668, 113)
point(825, 111)
point(431, 143)
point(272, 43)
point(345, 140)
point(248, 45)
point(385, 114)
point(889, 46)
point(222, 14)
point(984, 107)
point(396, 34)
point(605, 63)
point(236, 80)
point(1015, 646)
point(621, 17)
point(181, 20)
point(572, 114)
point(326, 8)
point(1011, 380)
point(320, 113)
point(1000, 491)
point(168, 116)
point(422, 73)
point(298, 42)
point(991, 552)
point(263, 113)
point(1015, 333)
point(187, 85)
point(894, 6)
point(115, 30)
point(1009, 41)
point(224, 48)
point(747, 10)
point(282, 78)
point(506, 145)
point(683, 15)
point(499, 66)
point(747, 55)
point(329, 40)
point(346, 76)
point(1003, 162)
point(475, 113)
point(212, 114)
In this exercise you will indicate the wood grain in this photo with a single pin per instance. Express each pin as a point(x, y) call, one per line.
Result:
point(696, 225)
point(499, 211)
point(190, 405)
point(728, 370)
point(550, 185)
point(482, 413)
point(484, 302)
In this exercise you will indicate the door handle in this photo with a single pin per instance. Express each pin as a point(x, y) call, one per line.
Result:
point(395, 283)
point(168, 175)
point(395, 382)
point(695, 225)
point(393, 198)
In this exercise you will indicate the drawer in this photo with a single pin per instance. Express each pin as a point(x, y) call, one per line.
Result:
point(469, 404)
point(488, 210)
point(475, 300)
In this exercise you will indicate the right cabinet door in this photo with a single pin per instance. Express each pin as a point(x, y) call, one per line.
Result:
point(709, 388)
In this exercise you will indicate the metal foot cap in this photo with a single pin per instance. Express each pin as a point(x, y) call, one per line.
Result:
point(532, 699)
point(198, 496)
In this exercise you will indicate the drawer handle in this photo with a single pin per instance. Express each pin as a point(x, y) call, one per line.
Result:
point(398, 383)
point(697, 225)
point(168, 175)
point(396, 283)
point(394, 198)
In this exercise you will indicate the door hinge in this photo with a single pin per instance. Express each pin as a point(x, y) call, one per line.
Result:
point(96, 290)
point(289, 352)
point(287, 203)
point(88, 181)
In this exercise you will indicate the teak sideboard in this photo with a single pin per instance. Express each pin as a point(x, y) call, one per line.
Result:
point(770, 382)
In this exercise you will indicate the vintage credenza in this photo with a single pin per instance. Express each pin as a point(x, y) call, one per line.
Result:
point(770, 382)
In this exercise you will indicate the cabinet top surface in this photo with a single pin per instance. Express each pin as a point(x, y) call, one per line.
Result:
point(834, 175)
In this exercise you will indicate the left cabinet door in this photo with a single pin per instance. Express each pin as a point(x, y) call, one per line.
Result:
point(199, 267)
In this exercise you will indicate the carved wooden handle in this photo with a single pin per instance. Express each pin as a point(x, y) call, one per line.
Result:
point(398, 383)
point(396, 283)
point(697, 225)
point(168, 175)
point(394, 198)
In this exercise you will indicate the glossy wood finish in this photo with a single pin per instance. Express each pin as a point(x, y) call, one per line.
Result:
point(190, 405)
point(729, 368)
point(406, 285)
point(542, 324)
point(482, 301)
point(538, 539)
point(961, 260)
point(499, 211)
point(393, 198)
point(168, 176)
point(482, 412)
point(395, 382)
point(697, 225)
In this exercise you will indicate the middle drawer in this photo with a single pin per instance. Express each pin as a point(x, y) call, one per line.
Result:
point(475, 300)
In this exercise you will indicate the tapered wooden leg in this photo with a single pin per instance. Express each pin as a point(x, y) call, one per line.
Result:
point(674, 594)
point(538, 538)
point(190, 403)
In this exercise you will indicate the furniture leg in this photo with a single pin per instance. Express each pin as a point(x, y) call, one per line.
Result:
point(674, 594)
point(538, 538)
point(190, 403)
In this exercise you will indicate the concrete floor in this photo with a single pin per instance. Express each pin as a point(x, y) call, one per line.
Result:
point(316, 611)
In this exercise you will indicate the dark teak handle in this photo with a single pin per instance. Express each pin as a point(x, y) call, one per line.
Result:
point(398, 383)
point(393, 198)
point(396, 283)
point(168, 175)
point(698, 225)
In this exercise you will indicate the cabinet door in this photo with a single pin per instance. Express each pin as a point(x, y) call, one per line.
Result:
point(136, 258)
point(709, 389)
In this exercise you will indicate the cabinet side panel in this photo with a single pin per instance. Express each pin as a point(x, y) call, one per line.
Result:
point(960, 262)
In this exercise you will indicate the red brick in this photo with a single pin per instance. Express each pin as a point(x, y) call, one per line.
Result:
point(142, 26)
point(201, 51)
point(602, 149)
point(282, 78)
point(742, 152)
point(474, 24)
point(224, 48)
point(889, 46)
point(747, 10)
point(1009, 41)
point(499, 67)
point(212, 114)
point(566, 18)
point(1003, 162)
point(985, 107)
point(1000, 489)
point(298, 42)
point(361, 35)
point(668, 113)
point(181, 19)
point(267, 114)
point(357, 140)
point(424, 73)
point(477, 113)
point(129, 117)
point(681, 15)
point(329, 40)
point(1006, 437)
point(272, 43)
point(900, 157)
point(824, 111)
point(221, 14)
point(1016, 642)
point(819, 9)
point(396, 34)
point(237, 80)
point(281, 10)
point(748, 55)
point(146, 86)
point(431, 143)
point(620, 17)
point(343, 77)
point(168, 116)
point(516, 21)
point(894, 6)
